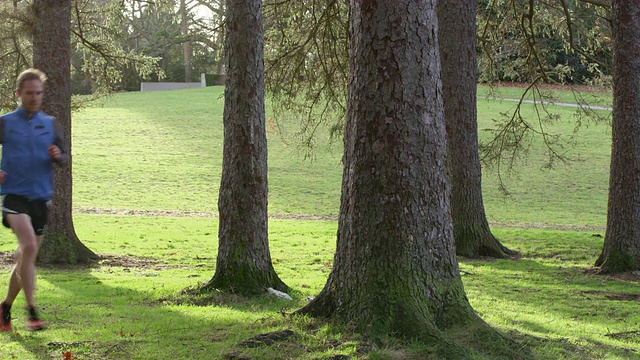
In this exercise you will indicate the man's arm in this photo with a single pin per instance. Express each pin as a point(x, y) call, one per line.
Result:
point(3, 175)
point(1, 130)
point(61, 155)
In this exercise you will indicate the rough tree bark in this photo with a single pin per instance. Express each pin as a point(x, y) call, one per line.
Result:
point(244, 262)
point(395, 269)
point(52, 54)
point(621, 250)
point(458, 51)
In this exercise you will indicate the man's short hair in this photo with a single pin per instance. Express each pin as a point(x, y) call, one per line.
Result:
point(31, 74)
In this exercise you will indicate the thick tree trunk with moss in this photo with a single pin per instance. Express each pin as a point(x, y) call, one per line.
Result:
point(244, 262)
point(622, 241)
point(395, 270)
point(458, 50)
point(52, 54)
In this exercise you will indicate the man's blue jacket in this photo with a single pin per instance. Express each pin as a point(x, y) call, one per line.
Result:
point(25, 153)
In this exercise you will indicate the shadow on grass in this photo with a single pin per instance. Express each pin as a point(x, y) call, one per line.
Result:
point(106, 317)
point(109, 317)
point(574, 310)
point(564, 348)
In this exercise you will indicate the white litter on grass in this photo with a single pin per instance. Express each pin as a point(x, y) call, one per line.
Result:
point(636, 272)
point(279, 294)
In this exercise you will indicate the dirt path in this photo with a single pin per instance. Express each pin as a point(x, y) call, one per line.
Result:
point(174, 213)
point(593, 107)
point(580, 89)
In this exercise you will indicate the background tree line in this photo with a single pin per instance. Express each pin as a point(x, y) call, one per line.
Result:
point(117, 44)
point(566, 41)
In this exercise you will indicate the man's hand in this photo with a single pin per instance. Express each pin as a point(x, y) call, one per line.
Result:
point(55, 152)
point(3, 176)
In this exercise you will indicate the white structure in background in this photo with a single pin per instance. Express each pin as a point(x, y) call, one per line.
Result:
point(156, 86)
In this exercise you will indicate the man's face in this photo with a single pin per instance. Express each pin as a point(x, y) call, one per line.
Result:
point(30, 95)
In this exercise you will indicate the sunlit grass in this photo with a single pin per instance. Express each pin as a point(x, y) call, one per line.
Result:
point(151, 152)
point(158, 156)
point(128, 306)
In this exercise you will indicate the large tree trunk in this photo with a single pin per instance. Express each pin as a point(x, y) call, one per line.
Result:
point(458, 50)
point(395, 269)
point(622, 241)
point(244, 262)
point(52, 54)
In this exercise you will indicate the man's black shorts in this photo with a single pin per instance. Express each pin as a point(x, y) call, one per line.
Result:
point(36, 209)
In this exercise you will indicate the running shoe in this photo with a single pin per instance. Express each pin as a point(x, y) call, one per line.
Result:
point(33, 322)
point(5, 318)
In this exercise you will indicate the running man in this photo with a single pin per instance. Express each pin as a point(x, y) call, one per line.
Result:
point(31, 144)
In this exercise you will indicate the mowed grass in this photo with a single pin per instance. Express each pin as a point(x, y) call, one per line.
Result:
point(163, 152)
point(146, 176)
point(571, 194)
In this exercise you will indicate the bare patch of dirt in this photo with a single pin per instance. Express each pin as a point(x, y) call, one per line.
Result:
point(138, 262)
point(627, 276)
point(169, 213)
point(107, 260)
point(198, 296)
point(626, 335)
point(543, 255)
point(267, 339)
point(177, 213)
point(632, 276)
point(236, 355)
point(612, 295)
point(6, 259)
point(561, 227)
point(62, 345)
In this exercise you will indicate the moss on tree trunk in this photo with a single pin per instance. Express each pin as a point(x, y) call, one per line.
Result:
point(60, 248)
point(395, 269)
point(621, 250)
point(245, 279)
point(51, 53)
point(244, 261)
point(458, 49)
point(474, 240)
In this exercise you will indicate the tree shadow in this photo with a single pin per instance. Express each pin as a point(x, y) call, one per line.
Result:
point(564, 348)
point(106, 318)
point(551, 297)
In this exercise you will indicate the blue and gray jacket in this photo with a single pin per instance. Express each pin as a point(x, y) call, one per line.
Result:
point(25, 153)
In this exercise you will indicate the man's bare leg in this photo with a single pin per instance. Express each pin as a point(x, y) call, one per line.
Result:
point(15, 285)
point(23, 276)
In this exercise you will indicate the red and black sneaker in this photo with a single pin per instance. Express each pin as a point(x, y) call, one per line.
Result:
point(5, 318)
point(33, 322)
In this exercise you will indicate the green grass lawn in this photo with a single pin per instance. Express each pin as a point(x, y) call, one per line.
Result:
point(137, 151)
point(146, 177)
